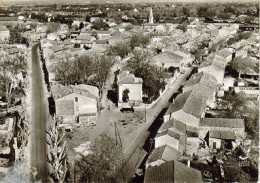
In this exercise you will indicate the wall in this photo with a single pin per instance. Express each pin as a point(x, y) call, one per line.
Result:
point(218, 143)
point(166, 140)
point(86, 105)
point(135, 93)
point(187, 119)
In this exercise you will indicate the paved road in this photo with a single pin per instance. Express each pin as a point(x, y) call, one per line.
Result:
point(39, 118)
point(134, 149)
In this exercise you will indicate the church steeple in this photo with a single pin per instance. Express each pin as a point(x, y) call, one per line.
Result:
point(151, 16)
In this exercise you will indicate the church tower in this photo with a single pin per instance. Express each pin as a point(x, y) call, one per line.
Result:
point(151, 16)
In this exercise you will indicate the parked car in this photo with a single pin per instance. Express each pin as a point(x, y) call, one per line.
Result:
point(127, 110)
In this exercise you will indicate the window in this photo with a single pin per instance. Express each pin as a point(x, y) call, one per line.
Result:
point(214, 145)
point(76, 99)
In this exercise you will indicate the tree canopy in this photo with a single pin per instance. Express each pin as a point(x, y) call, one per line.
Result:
point(104, 163)
point(153, 77)
point(99, 25)
point(84, 70)
point(244, 65)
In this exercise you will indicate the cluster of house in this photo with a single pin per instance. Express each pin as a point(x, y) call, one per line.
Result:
point(186, 130)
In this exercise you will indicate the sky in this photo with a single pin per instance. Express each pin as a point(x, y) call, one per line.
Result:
point(112, 1)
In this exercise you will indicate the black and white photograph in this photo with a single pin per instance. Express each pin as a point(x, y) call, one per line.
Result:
point(138, 91)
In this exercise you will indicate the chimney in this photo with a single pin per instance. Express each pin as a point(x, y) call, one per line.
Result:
point(188, 163)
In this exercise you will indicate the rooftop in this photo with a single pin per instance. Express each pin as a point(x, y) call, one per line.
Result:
point(127, 78)
point(225, 135)
point(222, 122)
point(166, 153)
point(172, 171)
point(191, 102)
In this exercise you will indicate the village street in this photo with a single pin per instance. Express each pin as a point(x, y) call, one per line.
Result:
point(134, 149)
point(39, 118)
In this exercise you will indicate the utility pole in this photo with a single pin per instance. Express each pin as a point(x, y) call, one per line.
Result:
point(117, 135)
point(145, 111)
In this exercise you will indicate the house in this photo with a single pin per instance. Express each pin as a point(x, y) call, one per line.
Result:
point(4, 34)
point(218, 130)
point(172, 171)
point(225, 54)
point(229, 83)
point(53, 36)
point(227, 31)
point(169, 138)
point(130, 90)
point(166, 60)
point(236, 125)
point(187, 108)
point(103, 35)
point(192, 140)
point(218, 139)
point(214, 67)
point(76, 103)
point(248, 27)
point(205, 84)
point(176, 127)
point(161, 155)
point(171, 47)
point(118, 39)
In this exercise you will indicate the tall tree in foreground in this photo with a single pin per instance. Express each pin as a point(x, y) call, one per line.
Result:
point(57, 151)
point(104, 163)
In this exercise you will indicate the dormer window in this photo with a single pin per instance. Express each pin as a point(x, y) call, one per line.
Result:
point(76, 99)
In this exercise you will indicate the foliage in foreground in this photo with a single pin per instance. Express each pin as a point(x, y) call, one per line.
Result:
point(104, 163)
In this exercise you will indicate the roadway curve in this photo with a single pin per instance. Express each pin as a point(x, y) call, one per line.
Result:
point(39, 118)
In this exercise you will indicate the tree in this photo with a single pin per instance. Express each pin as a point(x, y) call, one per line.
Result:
point(104, 163)
point(10, 68)
point(52, 27)
point(244, 65)
point(120, 49)
point(17, 38)
point(57, 151)
point(153, 77)
point(81, 25)
point(84, 70)
point(99, 25)
point(126, 95)
point(139, 40)
point(129, 27)
point(238, 106)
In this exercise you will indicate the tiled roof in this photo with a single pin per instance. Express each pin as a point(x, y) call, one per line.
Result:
point(222, 122)
point(219, 134)
point(172, 172)
point(190, 102)
point(173, 125)
point(224, 53)
point(60, 91)
point(202, 78)
point(166, 153)
point(127, 78)
point(167, 57)
point(170, 133)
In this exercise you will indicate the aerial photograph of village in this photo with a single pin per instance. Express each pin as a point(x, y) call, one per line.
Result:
point(139, 91)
